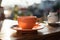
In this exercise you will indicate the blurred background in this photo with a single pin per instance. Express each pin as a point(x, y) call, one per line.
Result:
point(44, 10)
point(39, 8)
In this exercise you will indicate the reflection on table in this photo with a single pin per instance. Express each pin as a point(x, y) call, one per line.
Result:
point(9, 34)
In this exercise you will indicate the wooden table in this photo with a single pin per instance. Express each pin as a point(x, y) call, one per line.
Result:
point(47, 33)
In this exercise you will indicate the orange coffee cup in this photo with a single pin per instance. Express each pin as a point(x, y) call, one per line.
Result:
point(27, 22)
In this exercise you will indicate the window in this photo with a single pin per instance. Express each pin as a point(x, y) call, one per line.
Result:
point(19, 2)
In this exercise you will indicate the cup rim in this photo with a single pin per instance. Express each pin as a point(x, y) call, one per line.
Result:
point(26, 16)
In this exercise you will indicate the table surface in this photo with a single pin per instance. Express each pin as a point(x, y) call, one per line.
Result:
point(9, 34)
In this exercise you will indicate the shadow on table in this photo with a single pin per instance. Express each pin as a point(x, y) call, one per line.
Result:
point(53, 36)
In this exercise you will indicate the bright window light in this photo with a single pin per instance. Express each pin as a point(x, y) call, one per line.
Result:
point(19, 2)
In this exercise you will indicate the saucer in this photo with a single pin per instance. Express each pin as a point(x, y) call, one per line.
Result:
point(36, 27)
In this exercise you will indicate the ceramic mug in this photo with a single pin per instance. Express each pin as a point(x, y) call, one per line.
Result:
point(27, 22)
point(52, 17)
